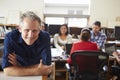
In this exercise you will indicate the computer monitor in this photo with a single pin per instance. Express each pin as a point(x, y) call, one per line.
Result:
point(117, 32)
point(75, 31)
point(110, 48)
point(53, 29)
point(68, 48)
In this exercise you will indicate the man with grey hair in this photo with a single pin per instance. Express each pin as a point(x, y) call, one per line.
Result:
point(27, 49)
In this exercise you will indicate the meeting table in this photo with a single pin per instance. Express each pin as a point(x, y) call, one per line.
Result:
point(4, 77)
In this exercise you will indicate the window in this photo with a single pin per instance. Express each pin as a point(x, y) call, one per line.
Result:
point(72, 22)
point(77, 22)
point(71, 12)
point(54, 20)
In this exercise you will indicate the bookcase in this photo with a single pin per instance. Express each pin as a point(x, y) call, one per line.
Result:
point(5, 28)
point(110, 33)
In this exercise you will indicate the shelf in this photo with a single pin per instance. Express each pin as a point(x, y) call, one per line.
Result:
point(11, 25)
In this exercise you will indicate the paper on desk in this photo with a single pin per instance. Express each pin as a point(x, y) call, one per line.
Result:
point(56, 52)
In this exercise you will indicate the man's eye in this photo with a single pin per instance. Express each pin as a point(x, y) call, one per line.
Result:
point(26, 30)
point(34, 31)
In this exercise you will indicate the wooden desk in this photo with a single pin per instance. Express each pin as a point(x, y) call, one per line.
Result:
point(59, 66)
point(116, 42)
point(3, 77)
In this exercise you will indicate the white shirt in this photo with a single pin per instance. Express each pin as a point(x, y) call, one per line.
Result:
point(58, 42)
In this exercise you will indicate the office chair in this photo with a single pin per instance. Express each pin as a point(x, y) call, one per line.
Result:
point(88, 65)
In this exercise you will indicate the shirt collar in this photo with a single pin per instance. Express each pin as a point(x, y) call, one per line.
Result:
point(94, 34)
point(20, 40)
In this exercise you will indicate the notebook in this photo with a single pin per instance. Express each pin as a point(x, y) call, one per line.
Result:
point(110, 48)
point(68, 48)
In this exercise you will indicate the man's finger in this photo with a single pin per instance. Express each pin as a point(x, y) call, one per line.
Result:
point(12, 56)
point(41, 61)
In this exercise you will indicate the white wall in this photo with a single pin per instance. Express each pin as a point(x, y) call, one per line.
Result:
point(16, 7)
point(65, 8)
point(106, 11)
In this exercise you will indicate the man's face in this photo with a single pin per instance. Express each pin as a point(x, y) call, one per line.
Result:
point(96, 29)
point(30, 31)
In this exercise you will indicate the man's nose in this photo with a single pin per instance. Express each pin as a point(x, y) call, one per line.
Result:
point(30, 34)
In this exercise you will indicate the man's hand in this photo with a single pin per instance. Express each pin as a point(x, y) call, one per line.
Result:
point(117, 56)
point(13, 59)
point(40, 69)
point(44, 69)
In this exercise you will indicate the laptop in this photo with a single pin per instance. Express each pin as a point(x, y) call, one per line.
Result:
point(68, 48)
point(110, 48)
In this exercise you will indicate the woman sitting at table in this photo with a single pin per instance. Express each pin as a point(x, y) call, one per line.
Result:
point(83, 44)
point(62, 38)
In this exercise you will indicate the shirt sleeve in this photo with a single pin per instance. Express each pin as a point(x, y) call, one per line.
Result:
point(7, 49)
point(102, 40)
point(56, 42)
point(46, 53)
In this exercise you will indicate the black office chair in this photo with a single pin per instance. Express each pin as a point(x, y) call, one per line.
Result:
point(88, 65)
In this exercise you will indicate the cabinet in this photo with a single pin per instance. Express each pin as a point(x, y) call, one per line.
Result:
point(110, 33)
point(59, 70)
point(4, 29)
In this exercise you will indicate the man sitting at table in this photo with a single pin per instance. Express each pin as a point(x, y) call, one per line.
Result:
point(27, 49)
point(116, 69)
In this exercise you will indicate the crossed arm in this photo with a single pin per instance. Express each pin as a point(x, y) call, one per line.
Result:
point(18, 70)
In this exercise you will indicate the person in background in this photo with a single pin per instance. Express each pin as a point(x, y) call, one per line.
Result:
point(97, 36)
point(62, 38)
point(27, 49)
point(83, 44)
point(43, 26)
point(116, 68)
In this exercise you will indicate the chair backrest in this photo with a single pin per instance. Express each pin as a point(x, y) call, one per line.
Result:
point(89, 62)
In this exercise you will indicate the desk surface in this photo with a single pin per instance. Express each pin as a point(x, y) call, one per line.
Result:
point(116, 42)
point(3, 77)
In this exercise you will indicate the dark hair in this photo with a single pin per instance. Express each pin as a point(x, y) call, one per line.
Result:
point(31, 15)
point(66, 27)
point(85, 34)
point(98, 23)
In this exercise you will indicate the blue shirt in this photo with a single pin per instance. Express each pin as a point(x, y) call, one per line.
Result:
point(100, 38)
point(27, 54)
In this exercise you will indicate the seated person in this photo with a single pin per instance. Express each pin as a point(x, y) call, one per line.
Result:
point(83, 44)
point(97, 36)
point(117, 56)
point(62, 38)
point(27, 49)
point(43, 26)
point(116, 69)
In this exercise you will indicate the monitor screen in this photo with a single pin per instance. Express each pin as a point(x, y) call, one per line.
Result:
point(68, 48)
point(53, 29)
point(74, 31)
point(117, 32)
